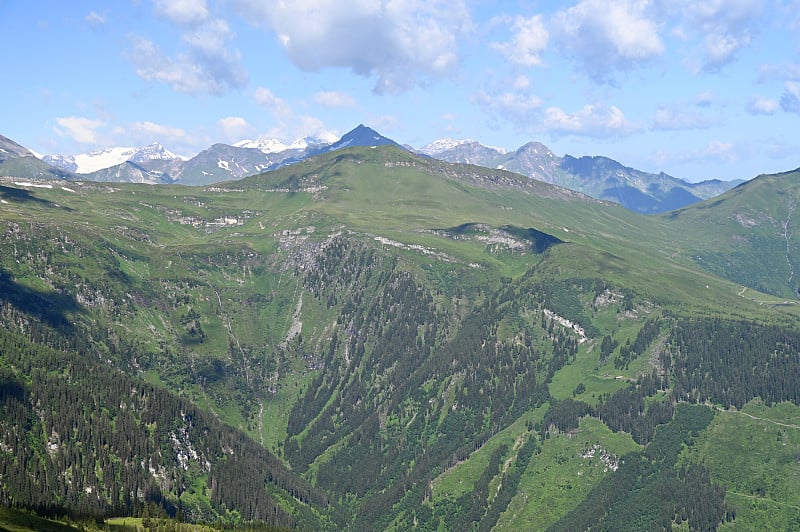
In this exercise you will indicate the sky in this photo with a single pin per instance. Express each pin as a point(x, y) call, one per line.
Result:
point(697, 89)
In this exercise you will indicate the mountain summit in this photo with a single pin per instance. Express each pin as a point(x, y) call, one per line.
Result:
point(360, 136)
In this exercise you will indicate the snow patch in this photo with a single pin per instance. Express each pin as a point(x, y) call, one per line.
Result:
point(29, 184)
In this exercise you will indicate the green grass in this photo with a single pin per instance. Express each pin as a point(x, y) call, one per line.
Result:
point(757, 460)
point(21, 521)
point(461, 478)
point(366, 195)
point(560, 476)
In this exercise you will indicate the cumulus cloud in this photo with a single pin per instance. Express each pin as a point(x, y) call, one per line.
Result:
point(182, 11)
point(334, 99)
point(206, 65)
point(80, 129)
point(401, 43)
point(274, 104)
point(607, 36)
point(790, 101)
point(521, 109)
point(725, 27)
point(289, 126)
point(591, 121)
point(235, 128)
point(763, 106)
point(529, 41)
point(206, 62)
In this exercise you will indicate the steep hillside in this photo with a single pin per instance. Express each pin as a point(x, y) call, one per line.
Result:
point(420, 344)
point(748, 235)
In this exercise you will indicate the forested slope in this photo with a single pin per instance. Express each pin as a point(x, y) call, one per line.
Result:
point(371, 340)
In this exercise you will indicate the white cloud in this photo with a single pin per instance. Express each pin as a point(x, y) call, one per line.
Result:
point(400, 42)
point(521, 83)
point(274, 104)
point(80, 129)
point(147, 132)
point(723, 151)
point(675, 118)
point(206, 65)
point(725, 27)
point(510, 104)
point(95, 19)
point(182, 11)
point(235, 128)
point(334, 99)
point(519, 108)
point(786, 71)
point(713, 154)
point(591, 121)
point(606, 36)
point(763, 106)
point(290, 126)
point(790, 101)
point(529, 41)
point(705, 99)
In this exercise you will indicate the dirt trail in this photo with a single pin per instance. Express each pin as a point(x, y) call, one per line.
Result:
point(758, 418)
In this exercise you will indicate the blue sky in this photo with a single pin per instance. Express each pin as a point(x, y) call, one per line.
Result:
point(699, 90)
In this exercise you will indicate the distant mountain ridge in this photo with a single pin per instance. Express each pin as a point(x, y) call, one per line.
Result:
point(88, 163)
point(11, 150)
point(596, 176)
point(599, 177)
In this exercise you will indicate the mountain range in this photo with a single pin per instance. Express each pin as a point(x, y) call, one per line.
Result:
point(374, 339)
point(599, 177)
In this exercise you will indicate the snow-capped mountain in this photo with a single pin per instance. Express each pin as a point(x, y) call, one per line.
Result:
point(87, 163)
point(447, 144)
point(599, 177)
point(464, 151)
point(272, 145)
point(155, 152)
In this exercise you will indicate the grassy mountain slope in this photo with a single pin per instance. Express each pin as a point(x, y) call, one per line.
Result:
point(748, 235)
point(424, 344)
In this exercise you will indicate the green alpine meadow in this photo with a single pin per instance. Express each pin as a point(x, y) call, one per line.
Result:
point(370, 339)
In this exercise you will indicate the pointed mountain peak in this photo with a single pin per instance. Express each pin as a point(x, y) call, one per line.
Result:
point(363, 136)
point(11, 150)
point(152, 152)
point(535, 147)
point(360, 136)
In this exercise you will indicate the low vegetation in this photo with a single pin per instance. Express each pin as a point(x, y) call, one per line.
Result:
point(372, 340)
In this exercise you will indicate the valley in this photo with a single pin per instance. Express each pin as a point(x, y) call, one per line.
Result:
point(370, 339)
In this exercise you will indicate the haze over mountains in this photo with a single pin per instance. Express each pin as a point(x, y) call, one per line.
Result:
point(597, 176)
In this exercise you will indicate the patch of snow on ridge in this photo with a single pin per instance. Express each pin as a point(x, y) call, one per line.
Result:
point(443, 144)
point(86, 163)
